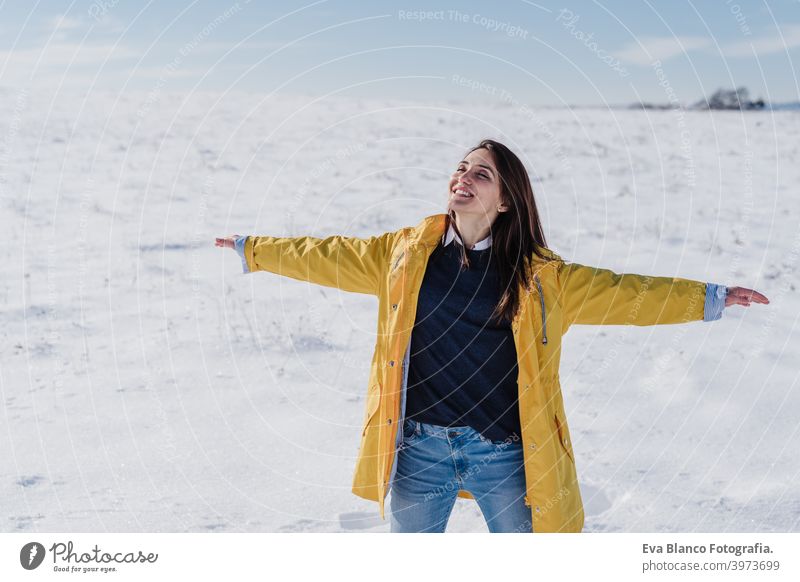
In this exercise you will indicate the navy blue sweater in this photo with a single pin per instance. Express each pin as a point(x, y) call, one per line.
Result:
point(463, 367)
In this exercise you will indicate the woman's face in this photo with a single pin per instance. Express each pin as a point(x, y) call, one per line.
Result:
point(476, 175)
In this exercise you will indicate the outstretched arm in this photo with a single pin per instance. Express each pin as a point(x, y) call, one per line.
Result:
point(599, 296)
point(347, 263)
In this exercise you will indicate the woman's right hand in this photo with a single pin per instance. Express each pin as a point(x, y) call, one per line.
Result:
point(743, 296)
point(226, 242)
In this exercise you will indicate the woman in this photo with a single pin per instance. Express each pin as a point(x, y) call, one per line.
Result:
point(474, 407)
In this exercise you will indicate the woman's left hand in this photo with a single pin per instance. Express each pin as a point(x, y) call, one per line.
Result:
point(743, 296)
point(226, 242)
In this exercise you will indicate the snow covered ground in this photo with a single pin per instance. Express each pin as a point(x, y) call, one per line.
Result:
point(149, 386)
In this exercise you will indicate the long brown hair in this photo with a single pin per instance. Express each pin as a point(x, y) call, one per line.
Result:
point(517, 234)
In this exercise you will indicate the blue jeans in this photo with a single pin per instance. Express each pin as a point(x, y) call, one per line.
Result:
point(435, 462)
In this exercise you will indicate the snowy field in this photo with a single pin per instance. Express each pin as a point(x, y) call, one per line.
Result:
point(149, 386)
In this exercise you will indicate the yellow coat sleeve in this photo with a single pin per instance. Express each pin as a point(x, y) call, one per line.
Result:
point(594, 296)
point(347, 263)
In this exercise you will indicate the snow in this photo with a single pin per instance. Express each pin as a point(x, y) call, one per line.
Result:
point(149, 386)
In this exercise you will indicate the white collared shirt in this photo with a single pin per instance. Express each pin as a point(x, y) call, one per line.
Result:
point(479, 246)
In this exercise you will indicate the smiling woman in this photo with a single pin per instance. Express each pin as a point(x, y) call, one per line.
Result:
point(491, 194)
point(464, 396)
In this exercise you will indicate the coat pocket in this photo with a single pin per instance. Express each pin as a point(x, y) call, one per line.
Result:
point(563, 436)
point(373, 401)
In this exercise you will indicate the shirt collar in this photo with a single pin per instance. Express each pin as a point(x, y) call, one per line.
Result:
point(479, 246)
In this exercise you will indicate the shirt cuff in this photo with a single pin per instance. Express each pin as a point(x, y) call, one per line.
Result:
point(239, 246)
point(715, 301)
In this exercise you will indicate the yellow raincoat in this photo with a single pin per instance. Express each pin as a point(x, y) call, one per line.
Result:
point(391, 266)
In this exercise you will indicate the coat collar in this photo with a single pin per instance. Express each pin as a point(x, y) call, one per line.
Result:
point(451, 235)
point(430, 232)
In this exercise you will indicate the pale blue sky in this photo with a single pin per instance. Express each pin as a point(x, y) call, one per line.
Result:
point(578, 53)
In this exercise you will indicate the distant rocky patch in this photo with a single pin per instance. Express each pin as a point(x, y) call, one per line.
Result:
point(722, 99)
